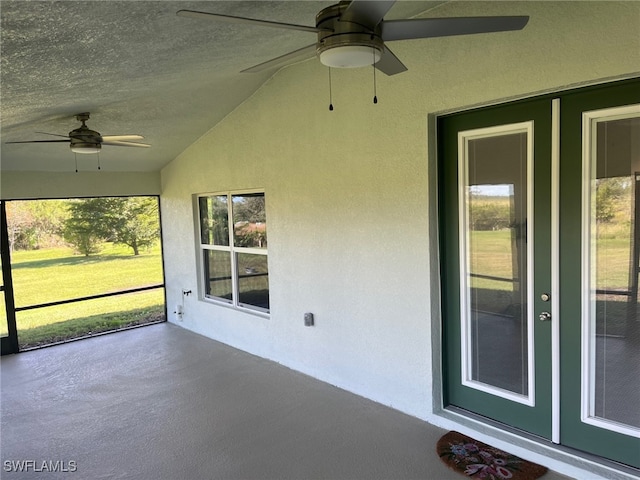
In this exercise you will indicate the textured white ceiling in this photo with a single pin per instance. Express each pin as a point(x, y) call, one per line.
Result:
point(137, 68)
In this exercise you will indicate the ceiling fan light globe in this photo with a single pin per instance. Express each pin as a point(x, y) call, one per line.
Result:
point(350, 56)
point(86, 148)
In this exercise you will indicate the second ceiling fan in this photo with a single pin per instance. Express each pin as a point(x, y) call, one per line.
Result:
point(353, 33)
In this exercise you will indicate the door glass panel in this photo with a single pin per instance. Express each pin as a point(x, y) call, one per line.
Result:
point(495, 202)
point(612, 255)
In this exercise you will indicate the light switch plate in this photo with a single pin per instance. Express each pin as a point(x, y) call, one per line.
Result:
point(308, 319)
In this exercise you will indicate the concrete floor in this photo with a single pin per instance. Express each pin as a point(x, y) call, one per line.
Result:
point(161, 402)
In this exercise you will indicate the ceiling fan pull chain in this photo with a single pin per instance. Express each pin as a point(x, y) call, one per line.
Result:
point(375, 93)
point(330, 93)
point(75, 155)
point(98, 155)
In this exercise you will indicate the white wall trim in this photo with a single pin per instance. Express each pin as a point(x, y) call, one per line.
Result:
point(555, 270)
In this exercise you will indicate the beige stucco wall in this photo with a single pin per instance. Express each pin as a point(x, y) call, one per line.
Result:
point(30, 185)
point(348, 191)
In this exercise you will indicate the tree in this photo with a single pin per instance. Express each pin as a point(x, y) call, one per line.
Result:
point(490, 215)
point(50, 216)
point(85, 227)
point(609, 192)
point(249, 208)
point(133, 221)
point(249, 220)
point(34, 224)
point(20, 226)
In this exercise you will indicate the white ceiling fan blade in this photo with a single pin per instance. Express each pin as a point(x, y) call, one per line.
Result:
point(121, 137)
point(389, 63)
point(443, 27)
point(250, 21)
point(119, 143)
point(368, 13)
point(307, 51)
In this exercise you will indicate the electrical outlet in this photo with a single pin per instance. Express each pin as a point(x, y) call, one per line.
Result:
point(179, 312)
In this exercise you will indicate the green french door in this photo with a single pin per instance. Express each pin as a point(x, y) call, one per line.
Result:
point(600, 242)
point(496, 177)
point(539, 269)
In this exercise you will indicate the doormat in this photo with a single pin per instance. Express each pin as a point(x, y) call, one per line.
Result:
point(478, 460)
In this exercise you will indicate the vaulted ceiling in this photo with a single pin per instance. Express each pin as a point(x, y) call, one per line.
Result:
point(138, 69)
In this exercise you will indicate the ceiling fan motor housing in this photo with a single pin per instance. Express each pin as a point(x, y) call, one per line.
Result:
point(85, 140)
point(346, 44)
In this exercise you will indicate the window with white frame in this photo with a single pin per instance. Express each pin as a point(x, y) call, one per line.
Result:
point(233, 247)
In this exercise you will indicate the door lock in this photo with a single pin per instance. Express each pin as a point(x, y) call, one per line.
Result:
point(544, 316)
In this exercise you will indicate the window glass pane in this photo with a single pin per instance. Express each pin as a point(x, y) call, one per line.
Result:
point(496, 286)
point(253, 280)
point(615, 254)
point(214, 220)
point(217, 267)
point(249, 221)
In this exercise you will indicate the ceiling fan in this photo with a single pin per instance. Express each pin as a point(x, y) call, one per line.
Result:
point(85, 140)
point(353, 33)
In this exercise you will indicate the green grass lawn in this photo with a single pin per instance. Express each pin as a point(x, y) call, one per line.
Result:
point(49, 275)
point(492, 255)
point(54, 274)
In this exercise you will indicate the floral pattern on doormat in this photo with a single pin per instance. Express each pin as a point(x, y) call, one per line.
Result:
point(478, 460)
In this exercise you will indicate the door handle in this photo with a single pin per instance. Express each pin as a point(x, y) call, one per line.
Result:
point(544, 316)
